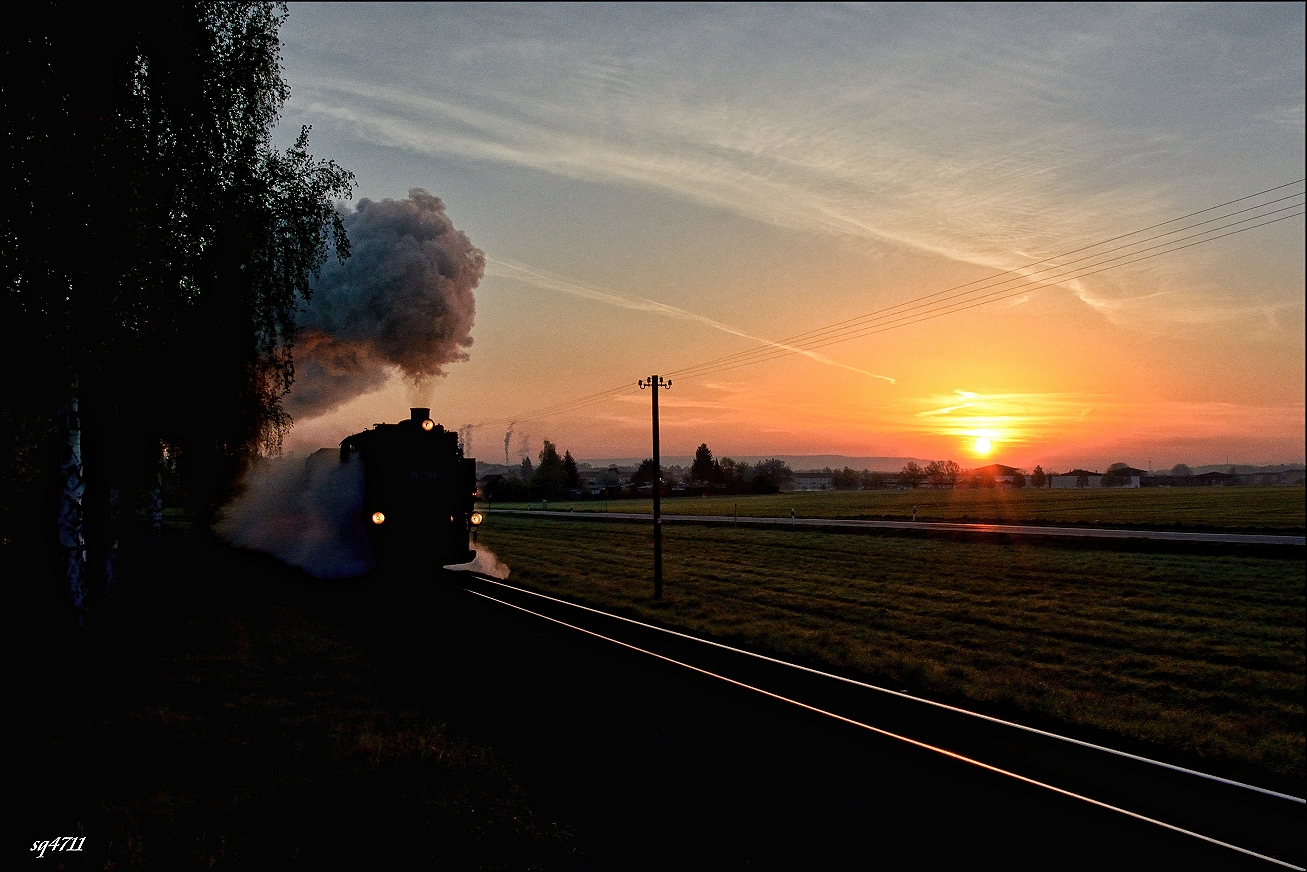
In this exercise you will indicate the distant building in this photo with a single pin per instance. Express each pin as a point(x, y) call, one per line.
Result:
point(1208, 479)
point(1282, 477)
point(1076, 478)
point(812, 481)
point(1131, 477)
point(1124, 476)
point(998, 473)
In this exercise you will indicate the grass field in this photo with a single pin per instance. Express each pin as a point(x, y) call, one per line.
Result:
point(1201, 654)
point(1235, 509)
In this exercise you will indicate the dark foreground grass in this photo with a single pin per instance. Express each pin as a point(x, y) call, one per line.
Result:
point(1231, 509)
point(1196, 654)
point(225, 716)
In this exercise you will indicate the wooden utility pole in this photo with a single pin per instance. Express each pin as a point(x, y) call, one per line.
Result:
point(655, 382)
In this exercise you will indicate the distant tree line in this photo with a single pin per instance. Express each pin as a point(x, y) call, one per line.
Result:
point(552, 478)
point(729, 476)
point(555, 477)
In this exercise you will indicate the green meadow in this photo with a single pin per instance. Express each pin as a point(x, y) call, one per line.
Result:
point(1231, 509)
point(1198, 654)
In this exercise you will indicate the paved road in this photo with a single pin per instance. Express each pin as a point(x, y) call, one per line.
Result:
point(684, 770)
point(935, 527)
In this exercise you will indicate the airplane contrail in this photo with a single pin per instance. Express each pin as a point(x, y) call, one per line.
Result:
point(551, 282)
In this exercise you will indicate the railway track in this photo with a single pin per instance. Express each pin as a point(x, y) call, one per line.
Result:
point(941, 528)
point(1237, 821)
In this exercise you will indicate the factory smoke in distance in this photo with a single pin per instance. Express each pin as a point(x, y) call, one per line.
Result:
point(402, 301)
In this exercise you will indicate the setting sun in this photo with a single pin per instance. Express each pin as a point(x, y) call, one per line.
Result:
point(982, 445)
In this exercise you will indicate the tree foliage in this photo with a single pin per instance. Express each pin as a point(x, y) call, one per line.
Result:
point(873, 480)
point(942, 473)
point(769, 476)
point(549, 480)
point(1038, 478)
point(704, 468)
point(846, 479)
point(735, 476)
point(645, 473)
point(911, 475)
point(157, 246)
point(571, 472)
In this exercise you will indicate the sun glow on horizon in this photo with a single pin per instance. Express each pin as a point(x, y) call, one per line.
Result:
point(983, 446)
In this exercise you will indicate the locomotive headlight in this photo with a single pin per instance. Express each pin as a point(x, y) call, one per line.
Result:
point(476, 518)
point(378, 517)
point(428, 425)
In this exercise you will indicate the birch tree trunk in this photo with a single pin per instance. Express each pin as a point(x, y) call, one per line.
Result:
point(72, 527)
point(154, 496)
point(111, 546)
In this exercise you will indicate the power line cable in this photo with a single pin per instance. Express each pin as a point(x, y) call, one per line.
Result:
point(851, 328)
point(802, 340)
point(919, 309)
point(1067, 253)
point(961, 306)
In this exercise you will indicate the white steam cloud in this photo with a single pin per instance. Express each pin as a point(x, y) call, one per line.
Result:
point(486, 563)
point(403, 300)
point(307, 512)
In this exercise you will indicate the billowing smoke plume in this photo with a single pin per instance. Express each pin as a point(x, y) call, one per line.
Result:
point(507, 437)
point(403, 300)
point(305, 512)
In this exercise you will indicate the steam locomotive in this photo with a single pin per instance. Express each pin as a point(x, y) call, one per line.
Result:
point(418, 493)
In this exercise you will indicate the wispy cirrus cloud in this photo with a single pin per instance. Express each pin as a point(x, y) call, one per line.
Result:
point(1012, 418)
point(1030, 134)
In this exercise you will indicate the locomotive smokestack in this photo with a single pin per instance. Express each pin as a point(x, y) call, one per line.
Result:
point(417, 416)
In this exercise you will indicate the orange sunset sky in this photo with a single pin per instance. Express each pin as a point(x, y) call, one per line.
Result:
point(658, 187)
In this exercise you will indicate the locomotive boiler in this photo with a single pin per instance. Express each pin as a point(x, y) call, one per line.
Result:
point(418, 493)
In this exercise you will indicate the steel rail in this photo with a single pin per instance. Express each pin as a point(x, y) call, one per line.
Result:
point(886, 733)
point(907, 696)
